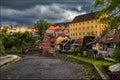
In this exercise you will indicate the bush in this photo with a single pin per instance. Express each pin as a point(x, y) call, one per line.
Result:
point(75, 51)
point(116, 53)
point(99, 57)
point(90, 54)
point(14, 50)
point(2, 48)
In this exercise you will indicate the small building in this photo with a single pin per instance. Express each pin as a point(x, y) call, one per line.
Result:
point(108, 43)
point(53, 34)
point(86, 41)
point(67, 45)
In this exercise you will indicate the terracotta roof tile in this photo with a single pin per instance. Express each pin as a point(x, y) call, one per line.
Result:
point(56, 28)
point(110, 38)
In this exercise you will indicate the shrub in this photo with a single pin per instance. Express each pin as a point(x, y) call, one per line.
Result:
point(75, 51)
point(90, 53)
point(99, 57)
point(2, 48)
point(14, 50)
point(116, 54)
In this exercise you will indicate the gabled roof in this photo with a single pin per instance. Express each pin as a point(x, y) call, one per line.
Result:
point(85, 17)
point(56, 28)
point(110, 37)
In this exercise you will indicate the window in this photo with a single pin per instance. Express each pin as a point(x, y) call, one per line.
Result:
point(83, 33)
point(88, 33)
point(79, 33)
point(96, 32)
point(79, 23)
point(76, 28)
point(71, 34)
point(88, 27)
point(110, 45)
point(83, 27)
point(91, 26)
point(87, 21)
point(79, 28)
point(76, 34)
point(92, 33)
point(96, 26)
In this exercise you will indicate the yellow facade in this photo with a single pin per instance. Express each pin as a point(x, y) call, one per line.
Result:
point(86, 28)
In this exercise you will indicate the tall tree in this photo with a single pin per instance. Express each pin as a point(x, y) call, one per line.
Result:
point(116, 54)
point(42, 26)
point(112, 8)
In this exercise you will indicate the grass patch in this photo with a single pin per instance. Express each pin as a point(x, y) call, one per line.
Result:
point(62, 56)
point(90, 70)
point(98, 63)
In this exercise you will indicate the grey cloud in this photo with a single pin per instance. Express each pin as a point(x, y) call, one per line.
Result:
point(52, 13)
point(29, 11)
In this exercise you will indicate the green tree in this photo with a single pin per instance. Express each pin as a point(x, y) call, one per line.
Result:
point(5, 28)
point(42, 26)
point(2, 48)
point(116, 54)
point(112, 8)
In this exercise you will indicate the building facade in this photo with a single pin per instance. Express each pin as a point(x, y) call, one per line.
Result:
point(108, 42)
point(53, 36)
point(86, 25)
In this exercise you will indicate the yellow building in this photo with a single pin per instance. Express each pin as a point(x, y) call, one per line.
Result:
point(85, 25)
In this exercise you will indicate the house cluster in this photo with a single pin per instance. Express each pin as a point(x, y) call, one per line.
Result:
point(85, 31)
point(53, 36)
point(11, 29)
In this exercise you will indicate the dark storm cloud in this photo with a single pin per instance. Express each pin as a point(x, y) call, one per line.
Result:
point(27, 12)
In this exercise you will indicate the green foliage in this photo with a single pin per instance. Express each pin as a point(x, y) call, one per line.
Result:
point(90, 54)
point(112, 8)
point(2, 48)
point(75, 51)
point(14, 50)
point(98, 63)
point(99, 57)
point(42, 26)
point(16, 40)
point(116, 54)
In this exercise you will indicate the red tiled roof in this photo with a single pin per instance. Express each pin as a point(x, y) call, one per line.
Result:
point(56, 28)
point(110, 37)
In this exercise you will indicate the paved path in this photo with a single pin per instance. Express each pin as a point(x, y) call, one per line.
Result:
point(36, 67)
point(7, 58)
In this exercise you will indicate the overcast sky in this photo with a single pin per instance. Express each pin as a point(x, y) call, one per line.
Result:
point(27, 12)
